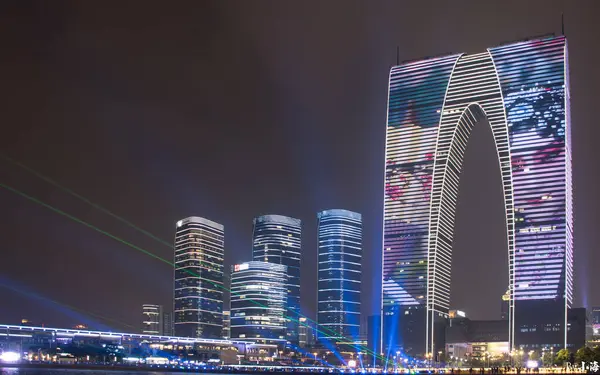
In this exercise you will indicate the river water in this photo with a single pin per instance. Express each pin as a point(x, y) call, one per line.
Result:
point(50, 371)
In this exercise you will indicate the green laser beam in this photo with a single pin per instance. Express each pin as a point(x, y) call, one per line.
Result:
point(84, 199)
point(60, 212)
point(97, 206)
point(56, 210)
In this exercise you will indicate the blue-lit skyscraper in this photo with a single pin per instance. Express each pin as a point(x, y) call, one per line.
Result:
point(340, 255)
point(258, 299)
point(522, 89)
point(277, 239)
point(198, 278)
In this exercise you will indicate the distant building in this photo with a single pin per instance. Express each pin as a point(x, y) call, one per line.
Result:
point(152, 319)
point(226, 325)
point(167, 324)
point(473, 338)
point(340, 256)
point(593, 327)
point(258, 300)
point(277, 239)
point(198, 279)
point(595, 316)
point(303, 333)
point(306, 329)
point(576, 327)
point(477, 337)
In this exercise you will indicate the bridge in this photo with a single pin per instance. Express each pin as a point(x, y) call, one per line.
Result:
point(28, 331)
point(22, 338)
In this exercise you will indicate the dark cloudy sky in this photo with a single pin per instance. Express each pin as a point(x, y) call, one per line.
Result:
point(227, 110)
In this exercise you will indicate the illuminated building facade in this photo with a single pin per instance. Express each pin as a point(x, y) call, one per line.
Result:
point(258, 300)
point(340, 255)
point(198, 278)
point(277, 239)
point(522, 90)
point(152, 319)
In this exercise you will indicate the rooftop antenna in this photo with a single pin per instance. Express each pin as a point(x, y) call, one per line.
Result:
point(397, 55)
point(562, 23)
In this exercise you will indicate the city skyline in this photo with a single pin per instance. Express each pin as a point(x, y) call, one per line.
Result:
point(146, 164)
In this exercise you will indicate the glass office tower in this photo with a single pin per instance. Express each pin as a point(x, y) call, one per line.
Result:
point(277, 239)
point(258, 299)
point(340, 253)
point(198, 276)
point(522, 89)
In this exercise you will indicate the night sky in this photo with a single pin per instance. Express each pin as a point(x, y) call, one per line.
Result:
point(227, 110)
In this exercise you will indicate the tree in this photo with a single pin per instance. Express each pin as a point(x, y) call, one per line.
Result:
point(596, 353)
point(547, 359)
point(584, 354)
point(534, 356)
point(562, 356)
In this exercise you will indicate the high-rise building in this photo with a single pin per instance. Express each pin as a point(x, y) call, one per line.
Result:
point(152, 319)
point(198, 303)
point(277, 239)
point(258, 300)
point(303, 329)
point(340, 254)
point(226, 325)
point(522, 89)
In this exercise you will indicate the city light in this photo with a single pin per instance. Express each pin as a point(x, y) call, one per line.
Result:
point(522, 90)
point(71, 217)
point(10, 357)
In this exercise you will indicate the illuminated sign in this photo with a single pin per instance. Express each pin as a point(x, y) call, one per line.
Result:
point(586, 367)
point(240, 267)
